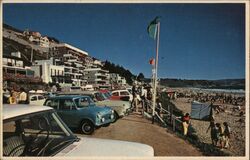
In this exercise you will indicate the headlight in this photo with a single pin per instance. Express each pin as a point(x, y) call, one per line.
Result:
point(98, 116)
point(112, 111)
point(103, 119)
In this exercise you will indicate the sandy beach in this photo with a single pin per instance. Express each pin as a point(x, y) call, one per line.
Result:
point(229, 115)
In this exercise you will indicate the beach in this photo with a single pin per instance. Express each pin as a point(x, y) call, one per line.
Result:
point(230, 114)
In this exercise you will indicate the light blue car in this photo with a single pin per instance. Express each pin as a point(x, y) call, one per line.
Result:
point(80, 112)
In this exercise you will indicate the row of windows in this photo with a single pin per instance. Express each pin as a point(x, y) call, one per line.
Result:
point(54, 72)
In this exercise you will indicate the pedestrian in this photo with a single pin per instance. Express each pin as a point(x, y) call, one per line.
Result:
point(23, 97)
point(220, 135)
point(158, 107)
point(12, 99)
point(185, 123)
point(143, 98)
point(134, 100)
point(213, 132)
point(227, 133)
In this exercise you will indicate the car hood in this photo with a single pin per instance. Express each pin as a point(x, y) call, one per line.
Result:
point(124, 104)
point(95, 147)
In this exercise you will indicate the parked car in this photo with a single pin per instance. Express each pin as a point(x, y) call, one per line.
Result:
point(36, 99)
point(38, 131)
point(80, 112)
point(124, 95)
point(121, 108)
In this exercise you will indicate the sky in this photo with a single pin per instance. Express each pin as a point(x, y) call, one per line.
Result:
point(197, 41)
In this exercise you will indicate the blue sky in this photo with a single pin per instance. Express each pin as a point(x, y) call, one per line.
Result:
point(197, 41)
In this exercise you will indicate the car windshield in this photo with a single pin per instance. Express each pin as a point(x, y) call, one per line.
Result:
point(39, 134)
point(99, 96)
point(108, 94)
point(104, 96)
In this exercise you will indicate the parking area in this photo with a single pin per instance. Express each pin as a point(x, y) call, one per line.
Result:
point(134, 128)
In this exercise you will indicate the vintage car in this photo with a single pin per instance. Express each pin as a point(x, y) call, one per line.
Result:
point(121, 108)
point(80, 112)
point(121, 95)
point(36, 99)
point(38, 131)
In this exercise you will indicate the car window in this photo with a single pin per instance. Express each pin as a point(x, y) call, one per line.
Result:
point(40, 97)
point(33, 98)
point(52, 103)
point(124, 93)
point(82, 102)
point(115, 94)
point(66, 104)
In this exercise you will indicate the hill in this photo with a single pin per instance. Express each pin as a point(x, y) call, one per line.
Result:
point(209, 84)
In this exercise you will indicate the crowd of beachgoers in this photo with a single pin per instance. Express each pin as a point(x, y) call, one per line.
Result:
point(228, 107)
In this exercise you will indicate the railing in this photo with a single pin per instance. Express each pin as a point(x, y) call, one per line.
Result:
point(165, 117)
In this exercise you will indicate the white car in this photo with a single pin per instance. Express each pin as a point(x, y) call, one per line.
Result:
point(121, 95)
point(36, 99)
point(38, 131)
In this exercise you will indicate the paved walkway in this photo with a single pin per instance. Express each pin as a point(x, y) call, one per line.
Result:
point(137, 129)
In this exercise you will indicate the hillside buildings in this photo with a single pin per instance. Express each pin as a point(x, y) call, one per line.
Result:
point(65, 64)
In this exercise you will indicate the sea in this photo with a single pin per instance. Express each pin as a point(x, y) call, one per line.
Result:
point(233, 91)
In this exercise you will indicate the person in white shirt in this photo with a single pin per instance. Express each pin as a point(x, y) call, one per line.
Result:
point(23, 96)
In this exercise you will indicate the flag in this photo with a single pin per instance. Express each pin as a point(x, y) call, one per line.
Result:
point(152, 61)
point(152, 27)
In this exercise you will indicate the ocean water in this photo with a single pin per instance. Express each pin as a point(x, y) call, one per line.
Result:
point(237, 91)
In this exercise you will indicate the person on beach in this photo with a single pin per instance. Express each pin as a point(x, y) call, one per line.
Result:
point(213, 132)
point(220, 135)
point(227, 133)
point(185, 123)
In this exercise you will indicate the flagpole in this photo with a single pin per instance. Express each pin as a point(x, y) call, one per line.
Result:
point(156, 68)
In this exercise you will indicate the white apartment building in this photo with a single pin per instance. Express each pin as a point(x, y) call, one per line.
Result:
point(116, 79)
point(48, 71)
point(97, 77)
point(73, 60)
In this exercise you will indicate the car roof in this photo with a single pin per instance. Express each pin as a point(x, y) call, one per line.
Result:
point(121, 90)
point(14, 110)
point(67, 97)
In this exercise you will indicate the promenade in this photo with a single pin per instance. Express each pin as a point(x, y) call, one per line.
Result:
point(134, 128)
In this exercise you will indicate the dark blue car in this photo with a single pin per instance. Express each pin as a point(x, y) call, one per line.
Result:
point(80, 112)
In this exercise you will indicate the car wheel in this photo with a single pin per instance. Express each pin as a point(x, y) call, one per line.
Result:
point(87, 127)
point(116, 116)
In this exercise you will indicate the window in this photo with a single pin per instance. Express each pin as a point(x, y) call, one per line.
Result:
point(82, 102)
point(52, 103)
point(115, 94)
point(34, 98)
point(66, 104)
point(40, 97)
point(124, 93)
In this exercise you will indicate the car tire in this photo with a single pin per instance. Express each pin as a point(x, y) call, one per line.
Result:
point(87, 127)
point(116, 116)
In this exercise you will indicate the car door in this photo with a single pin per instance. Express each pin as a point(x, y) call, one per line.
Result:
point(115, 95)
point(68, 112)
point(124, 95)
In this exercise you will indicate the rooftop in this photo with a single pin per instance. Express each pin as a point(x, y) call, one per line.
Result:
point(72, 47)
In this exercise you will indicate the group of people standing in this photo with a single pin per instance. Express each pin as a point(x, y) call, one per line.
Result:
point(16, 97)
point(220, 135)
point(141, 94)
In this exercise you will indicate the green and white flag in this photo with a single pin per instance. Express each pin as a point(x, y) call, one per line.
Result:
point(152, 28)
